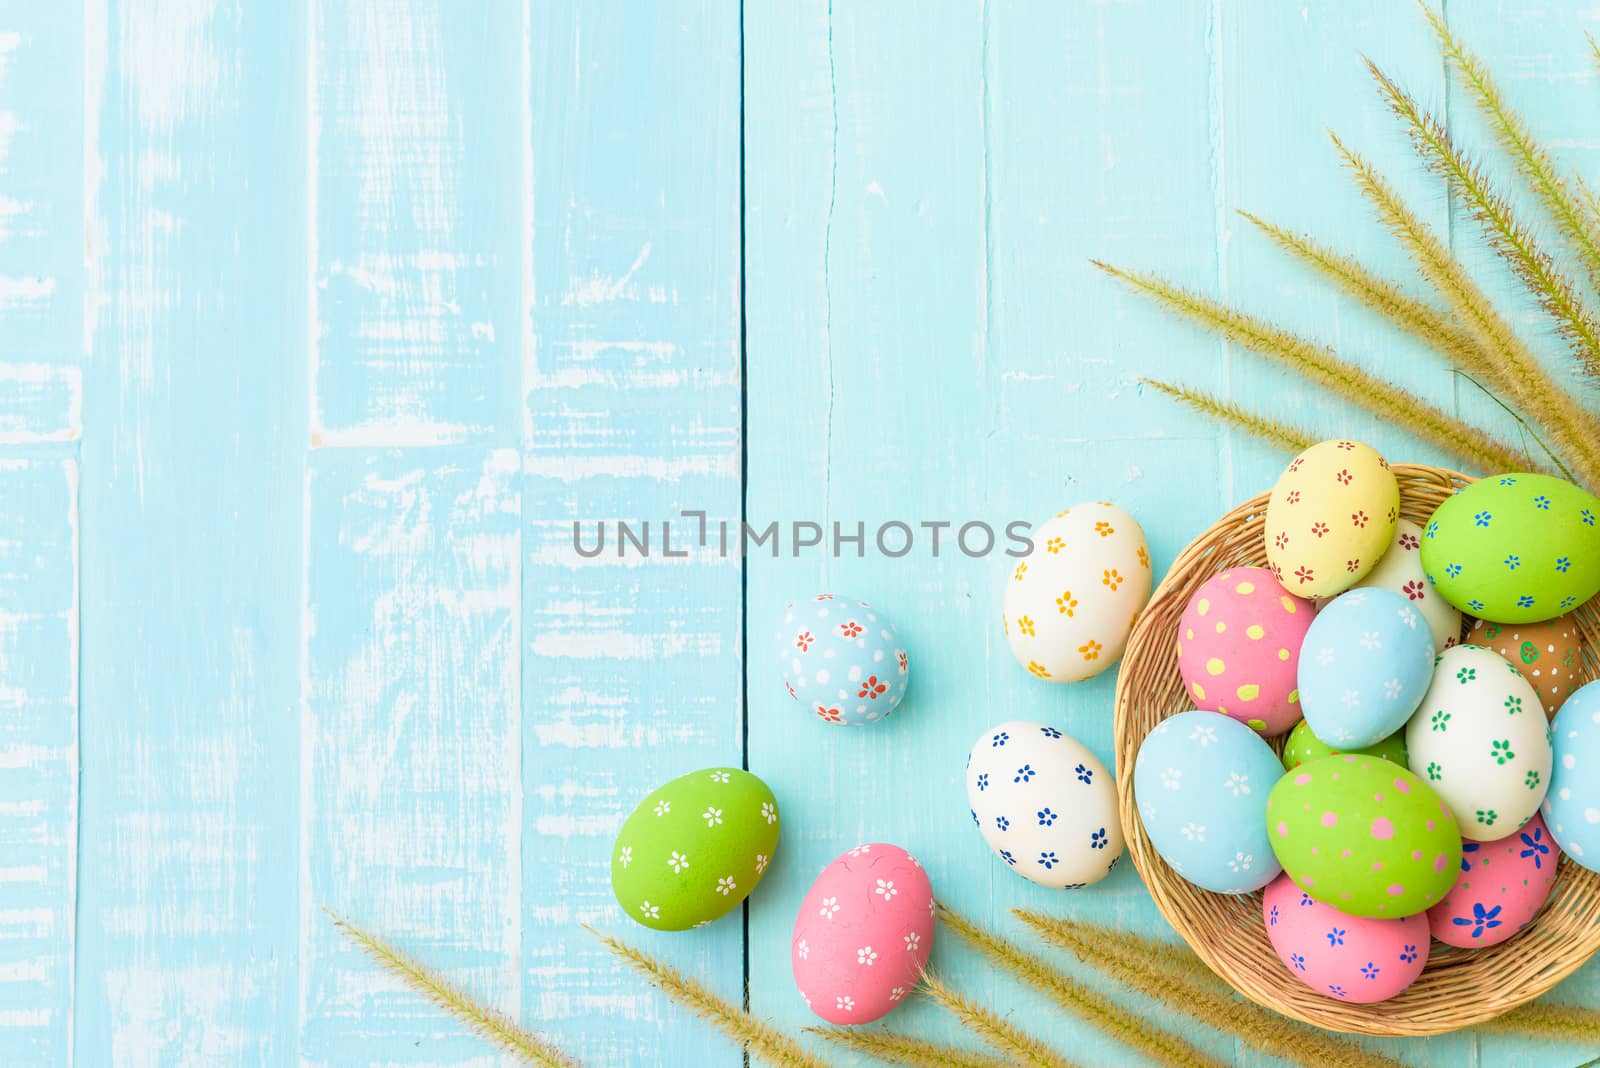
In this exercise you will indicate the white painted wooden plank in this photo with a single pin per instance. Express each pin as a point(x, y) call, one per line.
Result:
point(417, 173)
point(192, 482)
point(411, 796)
point(411, 789)
point(41, 223)
point(38, 757)
point(631, 667)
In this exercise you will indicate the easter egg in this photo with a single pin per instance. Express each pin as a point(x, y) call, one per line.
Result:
point(1045, 804)
point(694, 848)
point(1302, 747)
point(1359, 959)
point(1201, 780)
point(1367, 661)
point(1502, 886)
point(1238, 642)
point(1548, 654)
point(842, 660)
point(863, 935)
point(1400, 570)
point(1516, 548)
point(1480, 738)
point(1070, 603)
point(1572, 807)
point(1363, 835)
point(1330, 517)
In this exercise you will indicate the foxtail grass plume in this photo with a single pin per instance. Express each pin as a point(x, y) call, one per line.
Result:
point(760, 1039)
point(1422, 321)
point(1130, 1030)
point(1511, 240)
point(1577, 226)
point(1509, 366)
point(1004, 1036)
point(1291, 439)
point(891, 1047)
point(1556, 1023)
point(1322, 366)
point(488, 1023)
point(1178, 979)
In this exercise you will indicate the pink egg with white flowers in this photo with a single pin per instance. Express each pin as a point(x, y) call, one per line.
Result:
point(1502, 887)
point(1239, 645)
point(864, 932)
point(1348, 958)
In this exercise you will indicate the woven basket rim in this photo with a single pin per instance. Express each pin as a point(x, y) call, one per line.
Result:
point(1459, 988)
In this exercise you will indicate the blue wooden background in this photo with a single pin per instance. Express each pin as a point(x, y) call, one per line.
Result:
point(321, 320)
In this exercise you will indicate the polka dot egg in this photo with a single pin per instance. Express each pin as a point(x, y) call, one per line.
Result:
point(1348, 958)
point(1363, 835)
point(1070, 603)
point(1238, 644)
point(842, 660)
point(863, 935)
point(1548, 654)
point(1502, 886)
point(1572, 807)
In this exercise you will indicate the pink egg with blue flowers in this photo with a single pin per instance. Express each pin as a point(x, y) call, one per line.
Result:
point(1238, 646)
point(1502, 887)
point(1344, 957)
point(863, 935)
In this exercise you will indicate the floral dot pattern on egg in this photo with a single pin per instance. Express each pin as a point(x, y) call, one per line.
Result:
point(1549, 655)
point(1045, 804)
point(863, 935)
point(1348, 958)
point(1070, 605)
point(1238, 642)
point(842, 660)
point(1330, 518)
point(1368, 661)
point(1401, 571)
point(1502, 886)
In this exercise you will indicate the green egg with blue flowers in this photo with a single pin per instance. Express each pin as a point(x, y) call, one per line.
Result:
point(1517, 548)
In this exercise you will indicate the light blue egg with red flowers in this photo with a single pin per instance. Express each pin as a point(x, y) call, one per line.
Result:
point(841, 659)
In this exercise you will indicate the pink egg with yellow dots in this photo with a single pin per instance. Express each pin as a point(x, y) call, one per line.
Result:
point(863, 935)
point(1238, 647)
point(1347, 958)
point(1502, 886)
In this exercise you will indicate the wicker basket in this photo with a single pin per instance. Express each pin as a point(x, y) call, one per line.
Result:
point(1460, 987)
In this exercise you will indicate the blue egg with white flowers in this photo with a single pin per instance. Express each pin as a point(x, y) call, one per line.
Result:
point(1200, 782)
point(1365, 666)
point(1572, 806)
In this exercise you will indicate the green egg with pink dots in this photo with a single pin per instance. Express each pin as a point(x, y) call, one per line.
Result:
point(1363, 835)
point(694, 848)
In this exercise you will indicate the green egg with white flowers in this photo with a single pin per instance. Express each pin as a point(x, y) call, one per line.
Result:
point(1516, 548)
point(694, 848)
